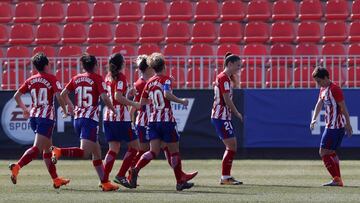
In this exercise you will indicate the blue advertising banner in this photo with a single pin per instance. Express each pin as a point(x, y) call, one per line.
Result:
point(281, 118)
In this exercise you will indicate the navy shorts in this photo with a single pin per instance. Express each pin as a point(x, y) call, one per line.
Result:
point(331, 138)
point(119, 131)
point(42, 126)
point(86, 128)
point(143, 134)
point(165, 131)
point(224, 128)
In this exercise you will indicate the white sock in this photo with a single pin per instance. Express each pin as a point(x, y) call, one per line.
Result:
point(225, 177)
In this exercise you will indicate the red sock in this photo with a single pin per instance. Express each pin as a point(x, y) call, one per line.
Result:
point(335, 158)
point(109, 163)
point(176, 165)
point(127, 161)
point(167, 154)
point(72, 152)
point(49, 165)
point(227, 162)
point(28, 156)
point(330, 165)
point(145, 159)
point(98, 165)
point(136, 158)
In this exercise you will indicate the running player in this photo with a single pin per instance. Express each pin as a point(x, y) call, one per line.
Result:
point(337, 122)
point(42, 87)
point(118, 126)
point(88, 87)
point(222, 109)
point(162, 125)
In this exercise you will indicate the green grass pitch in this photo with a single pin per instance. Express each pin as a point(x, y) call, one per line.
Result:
point(265, 181)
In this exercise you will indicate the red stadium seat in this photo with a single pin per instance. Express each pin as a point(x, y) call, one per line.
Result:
point(337, 74)
point(155, 10)
point(255, 54)
point(336, 10)
point(308, 32)
point(303, 78)
point(5, 12)
point(354, 77)
point(65, 74)
point(47, 33)
point(199, 78)
point(100, 51)
point(25, 12)
point(176, 54)
point(69, 56)
point(151, 32)
point(104, 11)
point(284, 10)
point(9, 78)
point(178, 32)
point(258, 10)
point(203, 32)
point(20, 52)
point(126, 33)
point(225, 48)
point(334, 53)
point(310, 10)
point(256, 32)
point(125, 50)
point(335, 31)
point(282, 32)
point(148, 49)
point(78, 11)
point(354, 55)
point(129, 11)
point(180, 10)
point(230, 32)
point(232, 10)
point(51, 11)
point(21, 34)
point(281, 54)
point(278, 77)
point(354, 34)
point(307, 54)
point(100, 33)
point(4, 36)
point(179, 76)
point(250, 77)
point(200, 50)
point(206, 10)
point(355, 10)
point(49, 51)
point(74, 33)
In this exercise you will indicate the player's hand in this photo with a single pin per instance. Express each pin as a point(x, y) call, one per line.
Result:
point(184, 101)
point(26, 113)
point(132, 92)
point(240, 116)
point(312, 125)
point(348, 130)
point(70, 110)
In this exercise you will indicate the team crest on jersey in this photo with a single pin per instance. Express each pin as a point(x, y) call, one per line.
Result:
point(120, 85)
point(226, 85)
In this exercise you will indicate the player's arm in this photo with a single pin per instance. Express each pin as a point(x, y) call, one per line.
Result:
point(170, 96)
point(348, 127)
point(231, 105)
point(17, 97)
point(62, 103)
point(125, 101)
point(107, 101)
point(318, 107)
point(65, 97)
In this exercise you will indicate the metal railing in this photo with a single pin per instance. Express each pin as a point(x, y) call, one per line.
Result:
point(200, 72)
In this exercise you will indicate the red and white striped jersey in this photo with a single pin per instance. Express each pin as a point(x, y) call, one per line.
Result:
point(330, 96)
point(160, 107)
point(222, 86)
point(88, 87)
point(42, 88)
point(144, 112)
point(120, 86)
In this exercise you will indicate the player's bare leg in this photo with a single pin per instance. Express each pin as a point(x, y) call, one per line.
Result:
point(331, 163)
point(231, 147)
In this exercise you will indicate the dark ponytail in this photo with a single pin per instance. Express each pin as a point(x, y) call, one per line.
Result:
point(229, 57)
point(142, 63)
point(116, 63)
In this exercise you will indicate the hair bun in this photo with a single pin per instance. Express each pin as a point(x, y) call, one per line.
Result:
point(228, 54)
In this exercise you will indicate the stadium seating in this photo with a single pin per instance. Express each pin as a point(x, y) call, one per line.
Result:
point(334, 31)
point(250, 77)
point(124, 49)
point(256, 32)
point(355, 10)
point(278, 77)
point(4, 36)
point(302, 77)
point(126, 33)
point(151, 32)
point(103, 11)
point(49, 51)
point(129, 11)
point(206, 10)
point(284, 10)
point(155, 10)
point(354, 52)
point(100, 51)
point(282, 32)
point(65, 74)
point(47, 33)
point(179, 76)
point(178, 32)
point(225, 48)
point(336, 10)
point(310, 10)
point(232, 10)
point(332, 53)
point(25, 12)
point(176, 54)
point(256, 53)
point(308, 32)
point(21, 34)
point(230, 32)
point(9, 81)
point(180, 11)
point(20, 52)
point(204, 50)
point(203, 32)
point(68, 56)
point(100, 33)
point(354, 76)
point(74, 33)
point(148, 49)
point(278, 51)
point(354, 33)
point(198, 77)
point(78, 11)
point(306, 54)
point(5, 12)
point(338, 75)
point(51, 11)
point(258, 10)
